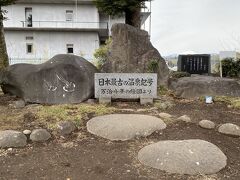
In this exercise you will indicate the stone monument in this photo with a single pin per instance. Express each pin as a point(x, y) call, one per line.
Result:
point(132, 52)
point(62, 79)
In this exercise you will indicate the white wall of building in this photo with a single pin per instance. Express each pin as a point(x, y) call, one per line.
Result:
point(50, 12)
point(237, 55)
point(48, 44)
point(111, 20)
point(51, 39)
point(229, 54)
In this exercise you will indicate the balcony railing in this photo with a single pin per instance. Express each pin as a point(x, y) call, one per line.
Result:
point(37, 60)
point(65, 24)
point(26, 60)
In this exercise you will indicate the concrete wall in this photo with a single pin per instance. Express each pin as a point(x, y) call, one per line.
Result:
point(45, 43)
point(50, 12)
point(229, 54)
point(237, 55)
point(112, 20)
point(48, 44)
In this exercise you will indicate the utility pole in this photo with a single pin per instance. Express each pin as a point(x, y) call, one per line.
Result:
point(150, 19)
point(76, 9)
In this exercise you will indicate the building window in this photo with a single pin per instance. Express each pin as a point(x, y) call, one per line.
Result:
point(29, 48)
point(28, 17)
point(70, 48)
point(29, 37)
point(69, 15)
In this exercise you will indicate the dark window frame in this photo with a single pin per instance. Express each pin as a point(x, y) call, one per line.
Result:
point(29, 48)
point(70, 48)
point(69, 15)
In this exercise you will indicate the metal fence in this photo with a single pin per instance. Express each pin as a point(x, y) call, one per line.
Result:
point(65, 24)
point(26, 60)
point(37, 60)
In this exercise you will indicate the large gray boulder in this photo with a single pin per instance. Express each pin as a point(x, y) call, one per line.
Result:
point(132, 52)
point(184, 157)
point(197, 86)
point(10, 138)
point(62, 79)
point(122, 127)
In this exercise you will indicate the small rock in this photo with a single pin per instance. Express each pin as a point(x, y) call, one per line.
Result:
point(153, 109)
point(185, 118)
point(11, 138)
point(229, 129)
point(67, 145)
point(27, 132)
point(165, 115)
point(91, 101)
point(34, 106)
point(40, 135)
point(66, 127)
point(19, 104)
point(207, 124)
point(163, 105)
point(122, 104)
point(128, 110)
point(141, 110)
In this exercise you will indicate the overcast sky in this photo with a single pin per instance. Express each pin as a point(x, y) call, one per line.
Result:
point(202, 26)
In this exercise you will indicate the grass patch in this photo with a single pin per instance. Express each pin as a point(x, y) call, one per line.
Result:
point(179, 74)
point(232, 102)
point(163, 105)
point(169, 121)
point(163, 91)
point(50, 115)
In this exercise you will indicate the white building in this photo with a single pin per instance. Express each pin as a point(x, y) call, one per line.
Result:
point(36, 30)
point(229, 54)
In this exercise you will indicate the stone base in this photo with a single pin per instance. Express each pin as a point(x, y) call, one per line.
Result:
point(144, 101)
point(105, 100)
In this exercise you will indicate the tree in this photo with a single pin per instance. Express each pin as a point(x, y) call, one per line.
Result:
point(231, 67)
point(101, 54)
point(131, 8)
point(4, 62)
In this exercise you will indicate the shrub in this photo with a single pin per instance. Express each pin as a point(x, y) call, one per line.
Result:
point(101, 53)
point(152, 66)
point(231, 67)
point(179, 74)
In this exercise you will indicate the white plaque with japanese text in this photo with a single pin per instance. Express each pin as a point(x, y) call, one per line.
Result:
point(125, 85)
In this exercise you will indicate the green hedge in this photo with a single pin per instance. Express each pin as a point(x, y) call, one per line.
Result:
point(179, 74)
point(231, 67)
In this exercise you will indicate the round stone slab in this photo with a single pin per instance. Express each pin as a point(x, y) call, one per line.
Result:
point(124, 127)
point(184, 157)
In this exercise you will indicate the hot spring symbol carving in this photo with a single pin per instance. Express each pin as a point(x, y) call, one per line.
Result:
point(68, 86)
